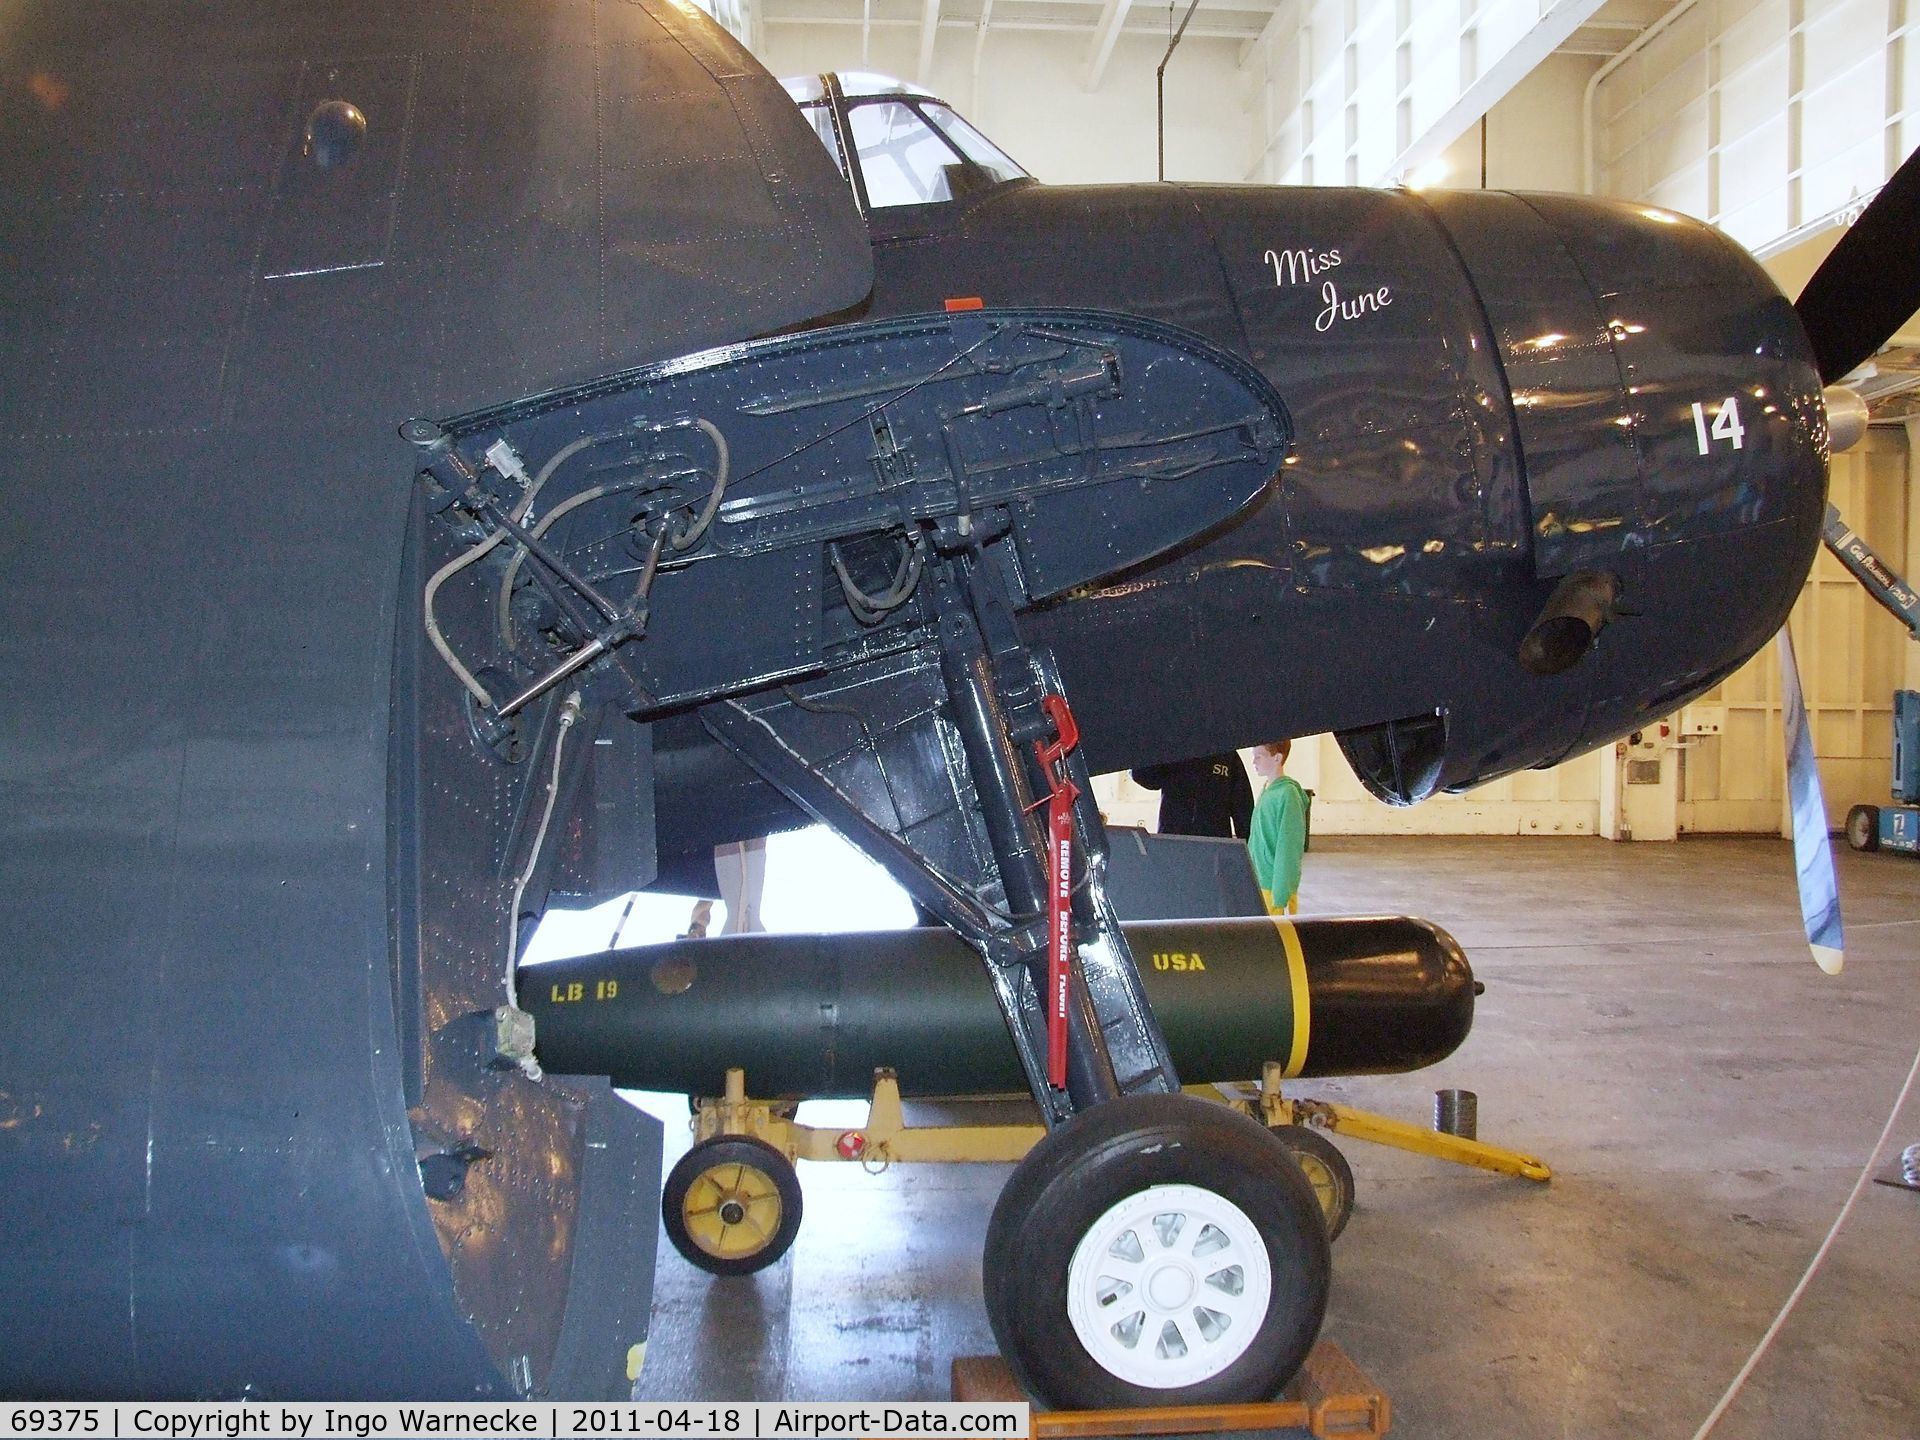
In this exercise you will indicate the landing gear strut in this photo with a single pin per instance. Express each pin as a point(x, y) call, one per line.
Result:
point(963, 838)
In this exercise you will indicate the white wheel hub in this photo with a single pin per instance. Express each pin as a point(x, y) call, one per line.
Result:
point(1169, 1286)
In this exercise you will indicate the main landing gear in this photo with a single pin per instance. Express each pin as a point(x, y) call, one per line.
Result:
point(1154, 1248)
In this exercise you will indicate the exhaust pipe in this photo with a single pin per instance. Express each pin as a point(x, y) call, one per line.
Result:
point(1575, 614)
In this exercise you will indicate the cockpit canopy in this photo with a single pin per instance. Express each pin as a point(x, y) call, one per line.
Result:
point(908, 147)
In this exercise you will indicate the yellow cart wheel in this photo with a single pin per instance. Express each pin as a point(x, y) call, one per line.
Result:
point(1326, 1170)
point(732, 1205)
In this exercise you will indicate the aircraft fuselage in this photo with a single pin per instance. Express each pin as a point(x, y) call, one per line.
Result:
point(1490, 393)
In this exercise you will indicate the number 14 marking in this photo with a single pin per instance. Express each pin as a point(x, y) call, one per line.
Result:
point(1726, 425)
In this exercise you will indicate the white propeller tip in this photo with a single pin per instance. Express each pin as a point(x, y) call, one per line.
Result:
point(1828, 958)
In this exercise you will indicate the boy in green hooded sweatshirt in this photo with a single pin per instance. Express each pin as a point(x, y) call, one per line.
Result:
point(1278, 836)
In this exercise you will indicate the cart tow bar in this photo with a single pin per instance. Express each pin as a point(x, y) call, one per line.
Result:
point(1061, 793)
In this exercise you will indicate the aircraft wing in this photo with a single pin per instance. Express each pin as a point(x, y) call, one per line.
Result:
point(250, 1142)
point(724, 217)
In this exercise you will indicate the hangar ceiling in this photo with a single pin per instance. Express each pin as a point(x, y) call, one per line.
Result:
point(1097, 24)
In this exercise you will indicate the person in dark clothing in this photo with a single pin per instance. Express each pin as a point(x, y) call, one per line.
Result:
point(1208, 796)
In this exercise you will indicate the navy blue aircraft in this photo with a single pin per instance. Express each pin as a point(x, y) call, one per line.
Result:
point(392, 555)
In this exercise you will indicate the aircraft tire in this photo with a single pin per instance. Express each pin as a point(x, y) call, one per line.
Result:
point(1863, 827)
point(732, 1205)
point(1326, 1170)
point(1206, 1221)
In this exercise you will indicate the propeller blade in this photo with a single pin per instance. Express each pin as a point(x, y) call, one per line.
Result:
point(1812, 850)
point(1867, 288)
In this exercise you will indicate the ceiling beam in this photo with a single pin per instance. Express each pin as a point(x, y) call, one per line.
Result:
point(929, 27)
point(1142, 19)
point(979, 51)
point(1195, 31)
point(1285, 17)
point(1555, 26)
point(1113, 16)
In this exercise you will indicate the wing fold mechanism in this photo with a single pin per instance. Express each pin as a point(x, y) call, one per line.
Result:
point(821, 545)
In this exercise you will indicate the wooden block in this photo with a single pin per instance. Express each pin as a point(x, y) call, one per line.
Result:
point(1331, 1397)
point(1168, 1420)
point(982, 1378)
point(1340, 1399)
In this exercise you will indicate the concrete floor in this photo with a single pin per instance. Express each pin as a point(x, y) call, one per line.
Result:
point(1652, 1026)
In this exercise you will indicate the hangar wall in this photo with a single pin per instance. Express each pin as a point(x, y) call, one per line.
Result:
point(1769, 118)
point(1365, 92)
